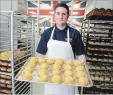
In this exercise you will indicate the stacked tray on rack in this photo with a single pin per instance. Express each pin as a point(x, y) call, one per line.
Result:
point(56, 71)
point(5, 66)
point(5, 84)
point(5, 59)
point(6, 55)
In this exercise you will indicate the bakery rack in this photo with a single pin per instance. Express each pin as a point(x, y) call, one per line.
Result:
point(97, 33)
point(17, 39)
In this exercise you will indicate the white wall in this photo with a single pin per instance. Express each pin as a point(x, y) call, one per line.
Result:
point(8, 5)
point(13, 5)
point(91, 4)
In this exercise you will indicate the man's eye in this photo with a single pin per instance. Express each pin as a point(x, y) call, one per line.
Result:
point(64, 14)
point(58, 13)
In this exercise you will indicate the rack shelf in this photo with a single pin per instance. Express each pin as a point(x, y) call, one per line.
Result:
point(97, 33)
point(16, 46)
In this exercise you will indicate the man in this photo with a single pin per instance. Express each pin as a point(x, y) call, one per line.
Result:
point(61, 41)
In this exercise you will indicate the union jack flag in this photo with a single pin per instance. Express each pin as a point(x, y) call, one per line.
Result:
point(47, 11)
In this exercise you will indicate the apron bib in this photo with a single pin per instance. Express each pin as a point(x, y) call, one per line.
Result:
point(63, 50)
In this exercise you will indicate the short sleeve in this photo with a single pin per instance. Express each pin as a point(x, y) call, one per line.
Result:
point(42, 46)
point(78, 45)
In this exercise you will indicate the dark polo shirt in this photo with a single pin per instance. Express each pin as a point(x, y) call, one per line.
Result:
point(61, 35)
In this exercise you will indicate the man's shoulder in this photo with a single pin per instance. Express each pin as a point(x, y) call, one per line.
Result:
point(48, 30)
point(73, 30)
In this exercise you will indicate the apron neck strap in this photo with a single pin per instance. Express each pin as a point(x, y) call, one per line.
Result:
point(52, 33)
point(67, 34)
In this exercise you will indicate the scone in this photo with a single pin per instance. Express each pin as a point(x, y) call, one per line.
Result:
point(43, 78)
point(50, 61)
point(27, 76)
point(80, 68)
point(56, 72)
point(42, 72)
point(69, 80)
point(67, 67)
point(34, 59)
point(41, 60)
point(56, 66)
point(44, 65)
point(83, 81)
point(70, 62)
point(56, 79)
point(32, 64)
point(28, 69)
point(80, 74)
point(68, 73)
point(59, 61)
point(78, 62)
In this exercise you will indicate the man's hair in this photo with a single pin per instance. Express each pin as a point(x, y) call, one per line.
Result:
point(62, 5)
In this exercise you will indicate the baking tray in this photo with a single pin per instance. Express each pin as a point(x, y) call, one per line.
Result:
point(35, 76)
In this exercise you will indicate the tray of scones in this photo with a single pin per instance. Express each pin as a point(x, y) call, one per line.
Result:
point(56, 71)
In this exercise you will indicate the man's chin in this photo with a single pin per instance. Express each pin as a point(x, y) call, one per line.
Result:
point(61, 24)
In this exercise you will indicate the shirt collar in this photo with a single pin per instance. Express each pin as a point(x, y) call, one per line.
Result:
point(57, 29)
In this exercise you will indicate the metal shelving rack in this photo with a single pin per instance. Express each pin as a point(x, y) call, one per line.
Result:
point(16, 36)
point(97, 34)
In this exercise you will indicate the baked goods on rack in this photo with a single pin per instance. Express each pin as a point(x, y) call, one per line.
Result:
point(6, 55)
point(100, 12)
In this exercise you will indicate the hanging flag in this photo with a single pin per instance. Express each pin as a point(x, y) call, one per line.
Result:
point(47, 11)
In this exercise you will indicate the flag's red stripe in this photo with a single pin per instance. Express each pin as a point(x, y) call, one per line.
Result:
point(47, 12)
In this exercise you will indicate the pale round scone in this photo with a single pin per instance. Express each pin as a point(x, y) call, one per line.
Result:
point(80, 68)
point(56, 79)
point(43, 78)
point(83, 81)
point(80, 74)
point(50, 61)
point(41, 60)
point(78, 62)
point(44, 66)
point(28, 69)
point(34, 59)
point(56, 72)
point(59, 61)
point(68, 73)
point(67, 67)
point(69, 80)
point(56, 66)
point(70, 62)
point(27, 76)
point(42, 72)
point(31, 64)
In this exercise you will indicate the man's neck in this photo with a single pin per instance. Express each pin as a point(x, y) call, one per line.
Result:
point(61, 27)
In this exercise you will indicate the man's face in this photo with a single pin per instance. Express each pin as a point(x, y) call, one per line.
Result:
point(61, 15)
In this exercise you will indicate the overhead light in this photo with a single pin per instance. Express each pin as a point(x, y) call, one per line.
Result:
point(75, 13)
point(51, 13)
point(32, 12)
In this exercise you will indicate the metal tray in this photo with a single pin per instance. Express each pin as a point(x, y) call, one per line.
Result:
point(35, 76)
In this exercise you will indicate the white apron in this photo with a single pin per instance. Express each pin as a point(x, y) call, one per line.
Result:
point(63, 50)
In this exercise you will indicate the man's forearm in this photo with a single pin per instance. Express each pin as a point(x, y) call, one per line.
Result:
point(40, 55)
point(81, 57)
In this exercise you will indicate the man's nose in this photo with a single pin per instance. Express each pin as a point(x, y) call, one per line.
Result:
point(61, 16)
